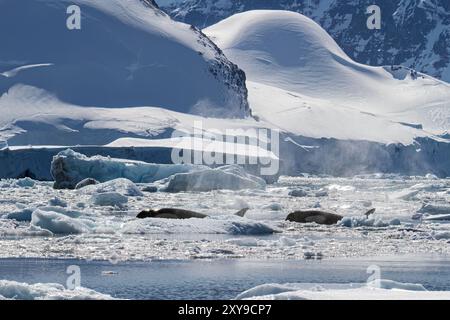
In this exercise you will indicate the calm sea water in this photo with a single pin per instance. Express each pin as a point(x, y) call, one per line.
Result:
point(221, 279)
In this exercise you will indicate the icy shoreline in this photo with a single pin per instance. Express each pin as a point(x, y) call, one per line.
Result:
point(426, 276)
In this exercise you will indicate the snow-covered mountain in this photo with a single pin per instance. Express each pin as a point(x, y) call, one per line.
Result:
point(128, 53)
point(131, 76)
point(302, 82)
point(414, 33)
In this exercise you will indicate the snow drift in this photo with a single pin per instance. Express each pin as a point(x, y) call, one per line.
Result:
point(127, 53)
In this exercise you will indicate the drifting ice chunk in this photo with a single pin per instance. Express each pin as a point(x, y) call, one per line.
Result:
point(69, 167)
point(122, 186)
point(230, 177)
point(437, 217)
point(25, 214)
point(109, 199)
point(25, 183)
point(442, 235)
point(57, 202)
point(434, 209)
point(354, 222)
point(21, 215)
point(46, 291)
point(63, 211)
point(58, 223)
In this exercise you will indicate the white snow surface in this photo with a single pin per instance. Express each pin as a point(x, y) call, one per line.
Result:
point(302, 82)
point(127, 53)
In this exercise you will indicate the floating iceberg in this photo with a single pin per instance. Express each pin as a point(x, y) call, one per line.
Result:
point(59, 223)
point(69, 168)
point(231, 177)
point(25, 214)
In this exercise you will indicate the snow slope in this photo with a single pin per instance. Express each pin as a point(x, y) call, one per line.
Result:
point(413, 33)
point(301, 81)
point(127, 53)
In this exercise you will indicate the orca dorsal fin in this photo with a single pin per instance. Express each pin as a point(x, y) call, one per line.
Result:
point(241, 213)
point(370, 212)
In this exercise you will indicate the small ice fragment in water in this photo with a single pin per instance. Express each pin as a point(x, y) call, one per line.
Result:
point(274, 206)
point(57, 202)
point(25, 183)
point(109, 199)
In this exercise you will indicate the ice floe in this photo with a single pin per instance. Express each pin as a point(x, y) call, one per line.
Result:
point(59, 223)
point(13, 290)
point(381, 289)
point(25, 183)
point(211, 225)
point(121, 186)
point(353, 222)
point(109, 199)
